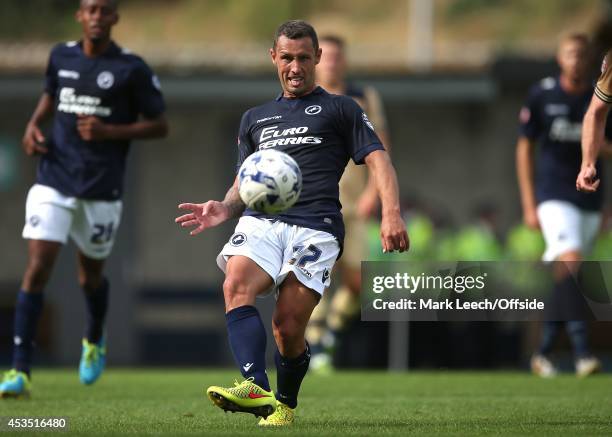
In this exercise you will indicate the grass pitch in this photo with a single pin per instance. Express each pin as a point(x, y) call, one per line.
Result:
point(172, 402)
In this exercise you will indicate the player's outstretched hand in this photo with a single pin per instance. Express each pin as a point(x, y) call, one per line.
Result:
point(202, 215)
point(33, 141)
point(393, 235)
point(587, 180)
point(91, 128)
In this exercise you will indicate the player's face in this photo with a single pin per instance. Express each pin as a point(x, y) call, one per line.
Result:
point(332, 68)
point(573, 59)
point(295, 61)
point(97, 17)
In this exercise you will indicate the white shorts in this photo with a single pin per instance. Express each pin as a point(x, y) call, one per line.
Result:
point(280, 248)
point(92, 224)
point(567, 228)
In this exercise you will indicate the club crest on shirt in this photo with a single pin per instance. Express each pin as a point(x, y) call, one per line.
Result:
point(238, 239)
point(312, 109)
point(105, 80)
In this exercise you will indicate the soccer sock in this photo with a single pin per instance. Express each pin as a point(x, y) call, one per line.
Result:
point(247, 338)
point(577, 332)
point(549, 334)
point(27, 313)
point(289, 375)
point(97, 304)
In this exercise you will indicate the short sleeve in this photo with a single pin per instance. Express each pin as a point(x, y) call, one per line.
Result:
point(245, 145)
point(375, 109)
point(51, 76)
point(357, 130)
point(529, 123)
point(147, 92)
point(603, 90)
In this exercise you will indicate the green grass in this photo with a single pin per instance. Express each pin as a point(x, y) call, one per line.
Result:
point(169, 401)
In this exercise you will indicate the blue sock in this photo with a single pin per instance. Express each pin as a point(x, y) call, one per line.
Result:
point(247, 338)
point(97, 304)
point(550, 331)
point(27, 313)
point(289, 375)
point(578, 334)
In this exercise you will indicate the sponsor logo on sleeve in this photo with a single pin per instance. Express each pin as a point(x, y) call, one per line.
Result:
point(156, 83)
point(367, 121)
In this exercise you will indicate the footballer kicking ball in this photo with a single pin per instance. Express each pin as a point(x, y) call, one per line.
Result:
point(270, 181)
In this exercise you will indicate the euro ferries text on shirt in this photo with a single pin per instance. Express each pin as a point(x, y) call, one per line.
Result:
point(272, 136)
point(71, 103)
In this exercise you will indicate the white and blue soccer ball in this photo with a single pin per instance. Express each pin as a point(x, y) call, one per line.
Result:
point(270, 181)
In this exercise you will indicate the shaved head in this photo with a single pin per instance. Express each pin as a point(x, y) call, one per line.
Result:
point(114, 4)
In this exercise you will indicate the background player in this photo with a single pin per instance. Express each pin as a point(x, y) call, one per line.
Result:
point(359, 201)
point(97, 91)
point(552, 119)
point(593, 129)
point(294, 251)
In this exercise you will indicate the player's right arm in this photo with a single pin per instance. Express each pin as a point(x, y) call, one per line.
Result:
point(524, 172)
point(212, 213)
point(530, 129)
point(209, 214)
point(33, 139)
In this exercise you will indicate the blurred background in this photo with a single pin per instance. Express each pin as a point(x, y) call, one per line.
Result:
point(452, 74)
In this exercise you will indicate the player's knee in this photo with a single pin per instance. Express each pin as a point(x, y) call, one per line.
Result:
point(236, 289)
point(90, 281)
point(288, 332)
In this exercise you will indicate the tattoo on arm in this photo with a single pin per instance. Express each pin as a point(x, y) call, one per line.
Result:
point(233, 202)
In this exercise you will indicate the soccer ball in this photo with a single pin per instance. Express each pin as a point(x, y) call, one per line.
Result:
point(270, 181)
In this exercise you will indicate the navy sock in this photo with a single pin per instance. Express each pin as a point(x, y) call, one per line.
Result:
point(27, 313)
point(247, 338)
point(550, 331)
point(578, 334)
point(97, 304)
point(289, 375)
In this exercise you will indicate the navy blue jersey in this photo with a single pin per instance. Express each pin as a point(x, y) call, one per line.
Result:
point(553, 118)
point(321, 131)
point(117, 87)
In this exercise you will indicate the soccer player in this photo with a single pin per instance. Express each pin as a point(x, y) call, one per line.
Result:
point(98, 91)
point(593, 129)
point(552, 120)
point(292, 252)
point(359, 202)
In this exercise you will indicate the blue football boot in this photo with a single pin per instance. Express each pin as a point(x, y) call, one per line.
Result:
point(15, 384)
point(93, 360)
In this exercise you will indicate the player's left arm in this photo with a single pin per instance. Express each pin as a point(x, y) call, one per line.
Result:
point(368, 202)
point(393, 233)
point(593, 144)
